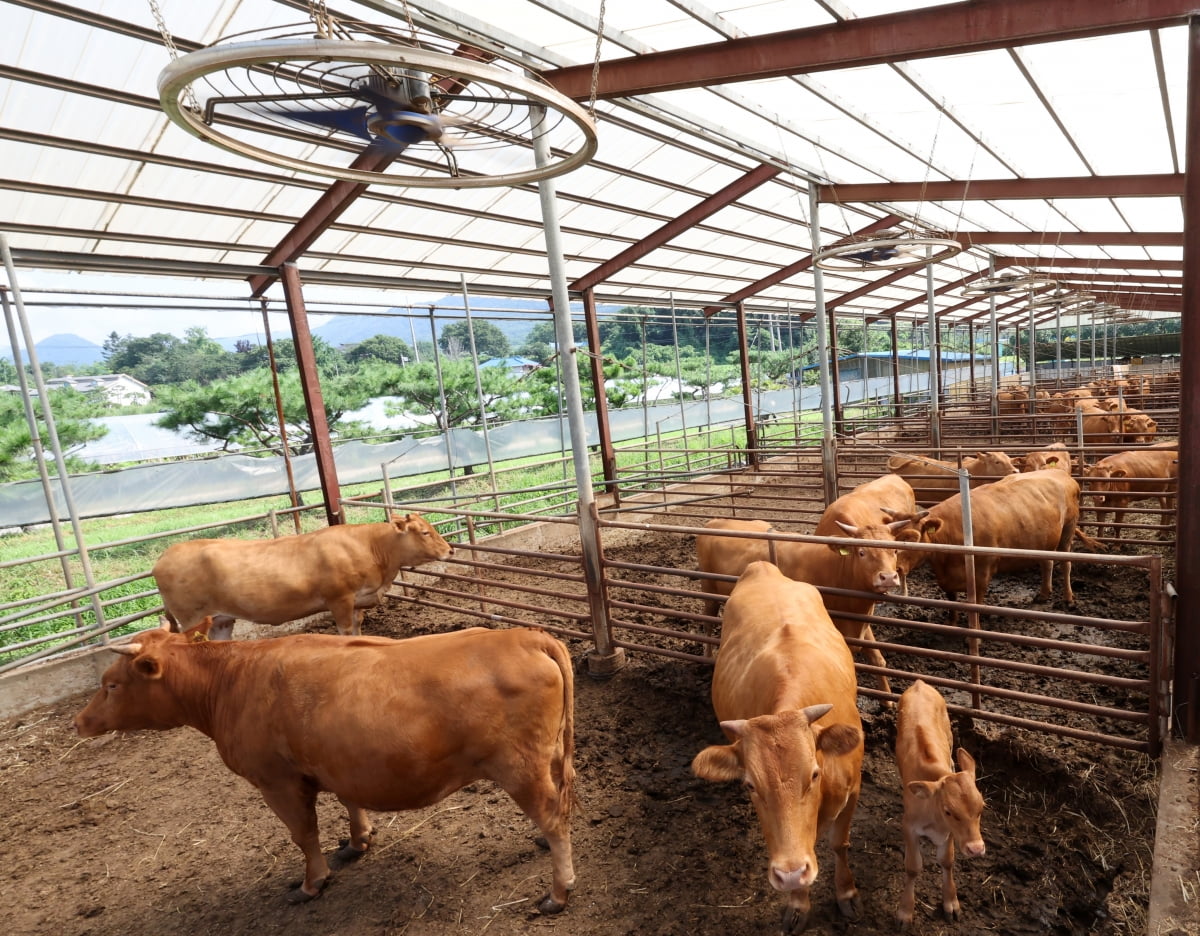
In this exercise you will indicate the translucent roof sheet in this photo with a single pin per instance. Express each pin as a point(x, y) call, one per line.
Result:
point(97, 177)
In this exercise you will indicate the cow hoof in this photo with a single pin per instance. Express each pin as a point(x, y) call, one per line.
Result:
point(298, 895)
point(549, 905)
point(903, 924)
point(794, 921)
point(541, 842)
point(345, 855)
point(851, 907)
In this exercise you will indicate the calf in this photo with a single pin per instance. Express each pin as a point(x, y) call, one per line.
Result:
point(382, 724)
point(784, 692)
point(934, 480)
point(340, 569)
point(1119, 480)
point(939, 804)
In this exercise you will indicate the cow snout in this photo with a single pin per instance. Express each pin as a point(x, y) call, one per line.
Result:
point(793, 879)
point(887, 581)
point(974, 849)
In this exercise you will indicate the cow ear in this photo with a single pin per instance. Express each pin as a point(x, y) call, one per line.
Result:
point(148, 666)
point(719, 763)
point(966, 763)
point(1119, 473)
point(734, 728)
point(921, 789)
point(838, 740)
point(908, 536)
point(930, 525)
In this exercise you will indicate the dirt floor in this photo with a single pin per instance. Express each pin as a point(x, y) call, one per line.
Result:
point(149, 833)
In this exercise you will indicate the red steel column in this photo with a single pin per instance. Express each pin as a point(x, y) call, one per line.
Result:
point(747, 389)
point(1187, 549)
point(608, 455)
point(289, 276)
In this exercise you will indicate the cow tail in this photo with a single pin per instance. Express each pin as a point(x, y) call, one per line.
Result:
point(564, 760)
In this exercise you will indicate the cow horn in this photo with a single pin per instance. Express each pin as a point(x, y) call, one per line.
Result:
point(850, 529)
point(896, 525)
point(132, 649)
point(888, 511)
point(813, 712)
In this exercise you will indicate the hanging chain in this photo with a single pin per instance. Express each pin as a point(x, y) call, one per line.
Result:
point(596, 64)
point(321, 19)
point(412, 27)
point(188, 97)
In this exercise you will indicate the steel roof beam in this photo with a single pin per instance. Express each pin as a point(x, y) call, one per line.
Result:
point(1117, 186)
point(322, 215)
point(672, 229)
point(789, 271)
point(1092, 263)
point(973, 26)
point(1071, 238)
point(940, 291)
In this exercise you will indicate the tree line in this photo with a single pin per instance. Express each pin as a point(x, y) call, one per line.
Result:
point(229, 396)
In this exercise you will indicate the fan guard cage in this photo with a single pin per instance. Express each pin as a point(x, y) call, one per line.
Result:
point(997, 285)
point(887, 250)
point(1064, 299)
point(490, 105)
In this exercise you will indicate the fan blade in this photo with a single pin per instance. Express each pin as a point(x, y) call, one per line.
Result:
point(352, 121)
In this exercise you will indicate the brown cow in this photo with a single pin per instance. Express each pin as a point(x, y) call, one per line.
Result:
point(860, 568)
point(934, 480)
point(886, 500)
point(382, 724)
point(1120, 480)
point(1117, 428)
point(1055, 455)
point(341, 569)
point(784, 692)
point(939, 804)
point(1033, 510)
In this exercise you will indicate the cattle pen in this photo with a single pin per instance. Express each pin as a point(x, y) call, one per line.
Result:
point(1012, 671)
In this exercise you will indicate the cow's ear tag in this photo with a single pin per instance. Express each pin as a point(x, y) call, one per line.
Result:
point(843, 550)
point(199, 637)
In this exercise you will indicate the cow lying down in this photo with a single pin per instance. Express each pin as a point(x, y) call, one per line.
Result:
point(382, 724)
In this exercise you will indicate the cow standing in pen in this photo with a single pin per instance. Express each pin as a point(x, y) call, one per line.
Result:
point(940, 804)
point(934, 480)
point(784, 692)
point(382, 724)
point(1033, 510)
point(341, 569)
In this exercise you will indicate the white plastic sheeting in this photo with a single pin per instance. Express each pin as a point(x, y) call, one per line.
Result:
point(239, 477)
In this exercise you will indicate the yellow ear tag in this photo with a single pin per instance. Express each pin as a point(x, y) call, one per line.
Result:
point(199, 637)
point(843, 551)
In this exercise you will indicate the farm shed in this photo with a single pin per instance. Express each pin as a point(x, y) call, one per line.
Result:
point(977, 134)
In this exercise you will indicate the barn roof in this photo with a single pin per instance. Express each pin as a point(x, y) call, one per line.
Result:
point(1041, 136)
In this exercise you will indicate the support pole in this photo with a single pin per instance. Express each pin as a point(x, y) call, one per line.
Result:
point(483, 417)
point(1186, 665)
point(747, 388)
point(606, 658)
point(895, 368)
point(39, 453)
point(820, 319)
point(608, 454)
point(283, 439)
point(310, 383)
point(60, 463)
point(935, 363)
point(444, 420)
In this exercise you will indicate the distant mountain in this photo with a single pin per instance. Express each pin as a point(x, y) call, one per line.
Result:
point(351, 329)
point(62, 349)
